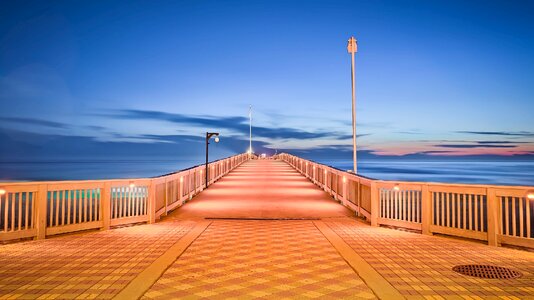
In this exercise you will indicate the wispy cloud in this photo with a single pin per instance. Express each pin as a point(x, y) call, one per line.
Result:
point(32, 121)
point(235, 124)
point(501, 133)
point(466, 146)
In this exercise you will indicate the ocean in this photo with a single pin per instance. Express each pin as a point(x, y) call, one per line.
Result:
point(450, 171)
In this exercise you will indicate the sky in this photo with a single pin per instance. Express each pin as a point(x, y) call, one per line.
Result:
point(115, 79)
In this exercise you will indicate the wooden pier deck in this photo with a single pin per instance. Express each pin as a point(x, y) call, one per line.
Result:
point(262, 231)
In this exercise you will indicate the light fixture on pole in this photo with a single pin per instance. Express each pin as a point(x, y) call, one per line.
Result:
point(352, 48)
point(208, 137)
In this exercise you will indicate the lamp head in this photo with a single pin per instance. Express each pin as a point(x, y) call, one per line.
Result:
point(352, 45)
point(216, 139)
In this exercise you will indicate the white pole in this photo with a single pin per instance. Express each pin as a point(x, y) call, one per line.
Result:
point(353, 48)
point(250, 133)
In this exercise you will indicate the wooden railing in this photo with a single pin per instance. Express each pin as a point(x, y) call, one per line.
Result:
point(40, 209)
point(496, 214)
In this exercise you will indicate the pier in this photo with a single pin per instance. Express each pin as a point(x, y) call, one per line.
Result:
point(274, 228)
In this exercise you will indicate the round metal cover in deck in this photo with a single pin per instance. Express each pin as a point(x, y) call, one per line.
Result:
point(486, 271)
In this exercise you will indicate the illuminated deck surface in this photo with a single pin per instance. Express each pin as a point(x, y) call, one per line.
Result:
point(235, 258)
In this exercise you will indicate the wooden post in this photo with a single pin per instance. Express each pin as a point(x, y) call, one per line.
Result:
point(375, 204)
point(106, 206)
point(40, 212)
point(166, 197)
point(426, 210)
point(345, 196)
point(493, 217)
point(181, 192)
point(359, 212)
point(151, 202)
point(325, 185)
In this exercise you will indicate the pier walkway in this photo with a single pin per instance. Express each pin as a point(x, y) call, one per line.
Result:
point(262, 231)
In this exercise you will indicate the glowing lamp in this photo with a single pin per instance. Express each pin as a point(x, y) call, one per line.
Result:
point(396, 188)
point(200, 171)
point(181, 179)
point(530, 195)
point(2, 192)
point(344, 179)
point(325, 172)
point(216, 139)
point(132, 185)
point(314, 167)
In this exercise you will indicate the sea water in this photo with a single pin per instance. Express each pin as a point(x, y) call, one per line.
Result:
point(450, 171)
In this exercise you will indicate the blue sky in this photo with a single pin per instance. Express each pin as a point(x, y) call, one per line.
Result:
point(97, 78)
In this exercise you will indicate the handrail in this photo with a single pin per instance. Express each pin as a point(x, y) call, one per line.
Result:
point(497, 214)
point(41, 208)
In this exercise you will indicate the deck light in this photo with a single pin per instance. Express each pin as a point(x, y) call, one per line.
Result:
point(396, 188)
point(344, 179)
point(530, 195)
point(181, 179)
point(132, 185)
point(325, 172)
point(2, 192)
point(314, 167)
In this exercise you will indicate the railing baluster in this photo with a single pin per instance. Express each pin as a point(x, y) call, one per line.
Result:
point(26, 209)
point(477, 197)
point(19, 196)
point(454, 210)
point(514, 229)
point(69, 200)
point(521, 226)
point(464, 198)
point(121, 198)
point(527, 216)
point(507, 214)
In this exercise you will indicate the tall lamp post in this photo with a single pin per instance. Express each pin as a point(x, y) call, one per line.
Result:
point(250, 131)
point(208, 137)
point(352, 48)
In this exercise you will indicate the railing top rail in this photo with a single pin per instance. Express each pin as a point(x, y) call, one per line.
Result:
point(332, 167)
point(404, 182)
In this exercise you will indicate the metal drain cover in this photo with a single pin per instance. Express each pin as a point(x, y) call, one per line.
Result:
point(486, 271)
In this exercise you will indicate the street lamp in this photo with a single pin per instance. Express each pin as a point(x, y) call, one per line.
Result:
point(208, 137)
point(250, 132)
point(352, 48)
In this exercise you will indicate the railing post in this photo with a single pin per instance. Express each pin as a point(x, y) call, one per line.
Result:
point(181, 192)
point(426, 210)
point(375, 204)
point(359, 196)
point(493, 217)
point(106, 206)
point(166, 197)
point(325, 184)
point(344, 198)
point(42, 198)
point(152, 202)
